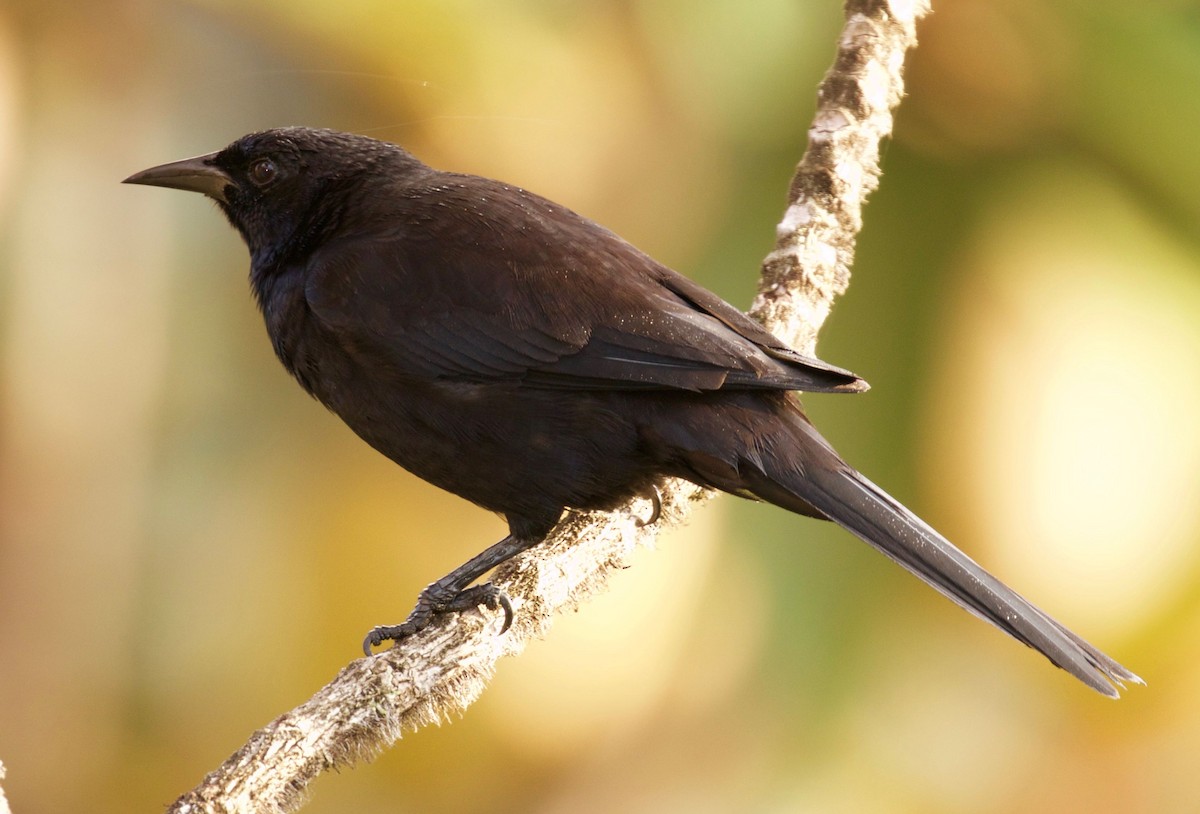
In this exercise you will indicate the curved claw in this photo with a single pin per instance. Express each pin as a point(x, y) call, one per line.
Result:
point(369, 643)
point(506, 605)
point(378, 636)
point(655, 498)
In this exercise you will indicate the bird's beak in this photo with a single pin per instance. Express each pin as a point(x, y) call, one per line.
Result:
point(199, 174)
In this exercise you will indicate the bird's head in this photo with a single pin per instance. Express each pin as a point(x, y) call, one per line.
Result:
point(280, 188)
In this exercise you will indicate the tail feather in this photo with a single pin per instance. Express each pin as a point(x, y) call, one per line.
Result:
point(824, 482)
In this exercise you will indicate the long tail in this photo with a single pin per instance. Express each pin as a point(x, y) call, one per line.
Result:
point(819, 479)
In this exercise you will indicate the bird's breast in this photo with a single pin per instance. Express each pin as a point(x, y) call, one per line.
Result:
point(306, 351)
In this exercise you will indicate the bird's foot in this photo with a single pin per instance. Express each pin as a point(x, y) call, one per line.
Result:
point(436, 600)
point(655, 498)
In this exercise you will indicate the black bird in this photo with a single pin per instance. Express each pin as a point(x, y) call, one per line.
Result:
point(510, 351)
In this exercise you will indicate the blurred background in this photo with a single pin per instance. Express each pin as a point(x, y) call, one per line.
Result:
point(190, 546)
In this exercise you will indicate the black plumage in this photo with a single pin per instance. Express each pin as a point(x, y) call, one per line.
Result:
point(508, 350)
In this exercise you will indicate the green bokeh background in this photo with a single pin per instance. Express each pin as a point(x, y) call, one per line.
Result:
point(189, 546)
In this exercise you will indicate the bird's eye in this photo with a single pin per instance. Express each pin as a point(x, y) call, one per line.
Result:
point(263, 171)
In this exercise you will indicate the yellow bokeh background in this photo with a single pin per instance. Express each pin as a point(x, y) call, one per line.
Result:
point(190, 546)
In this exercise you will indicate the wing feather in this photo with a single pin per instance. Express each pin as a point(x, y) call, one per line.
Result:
point(546, 309)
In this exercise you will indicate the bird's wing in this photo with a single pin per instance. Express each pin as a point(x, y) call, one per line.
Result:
point(525, 290)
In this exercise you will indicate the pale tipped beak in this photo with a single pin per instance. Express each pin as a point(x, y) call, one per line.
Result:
point(199, 174)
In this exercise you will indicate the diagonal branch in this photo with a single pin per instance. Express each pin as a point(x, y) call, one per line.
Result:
point(443, 669)
point(814, 243)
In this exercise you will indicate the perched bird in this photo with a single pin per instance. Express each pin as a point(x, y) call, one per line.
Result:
point(514, 353)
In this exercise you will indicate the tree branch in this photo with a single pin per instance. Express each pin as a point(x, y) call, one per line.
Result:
point(814, 243)
point(440, 671)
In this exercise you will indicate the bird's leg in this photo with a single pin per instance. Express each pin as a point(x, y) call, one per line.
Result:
point(655, 498)
point(451, 593)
